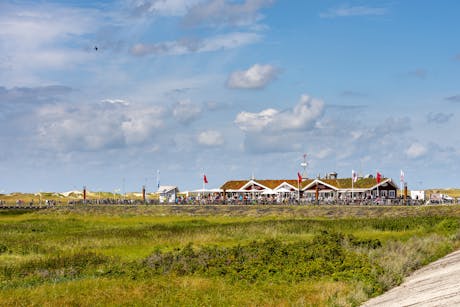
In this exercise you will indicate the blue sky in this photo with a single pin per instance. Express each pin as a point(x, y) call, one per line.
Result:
point(226, 88)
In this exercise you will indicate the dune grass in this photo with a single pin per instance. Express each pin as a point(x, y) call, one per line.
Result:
point(194, 257)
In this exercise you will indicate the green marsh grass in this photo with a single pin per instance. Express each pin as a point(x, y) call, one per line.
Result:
point(278, 256)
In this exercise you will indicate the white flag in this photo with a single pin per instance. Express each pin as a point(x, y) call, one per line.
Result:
point(354, 176)
point(401, 176)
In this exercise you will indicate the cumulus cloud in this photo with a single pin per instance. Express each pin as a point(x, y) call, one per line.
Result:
point(96, 127)
point(300, 117)
point(210, 138)
point(439, 118)
point(350, 11)
point(416, 150)
point(187, 45)
point(257, 76)
point(221, 12)
point(185, 111)
point(247, 121)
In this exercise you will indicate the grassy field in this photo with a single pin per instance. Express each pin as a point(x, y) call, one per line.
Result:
point(217, 255)
point(36, 198)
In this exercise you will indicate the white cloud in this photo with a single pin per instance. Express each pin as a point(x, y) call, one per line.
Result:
point(416, 150)
point(257, 76)
point(255, 122)
point(38, 37)
point(210, 138)
point(163, 7)
point(349, 11)
point(300, 117)
point(116, 102)
point(221, 12)
point(185, 111)
point(186, 46)
point(141, 124)
point(97, 127)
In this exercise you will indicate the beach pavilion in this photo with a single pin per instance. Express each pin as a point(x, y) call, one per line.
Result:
point(328, 188)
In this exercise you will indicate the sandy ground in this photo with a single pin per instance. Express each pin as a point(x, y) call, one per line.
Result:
point(437, 284)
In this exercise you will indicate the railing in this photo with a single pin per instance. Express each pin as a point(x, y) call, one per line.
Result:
point(230, 202)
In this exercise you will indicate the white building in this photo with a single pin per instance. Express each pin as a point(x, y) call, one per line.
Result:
point(167, 194)
point(417, 195)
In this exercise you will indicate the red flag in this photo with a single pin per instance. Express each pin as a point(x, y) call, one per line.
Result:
point(205, 179)
point(299, 177)
point(379, 177)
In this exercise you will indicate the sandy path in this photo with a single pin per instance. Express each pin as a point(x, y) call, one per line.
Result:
point(437, 284)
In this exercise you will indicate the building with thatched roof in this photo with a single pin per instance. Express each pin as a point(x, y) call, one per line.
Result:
point(330, 187)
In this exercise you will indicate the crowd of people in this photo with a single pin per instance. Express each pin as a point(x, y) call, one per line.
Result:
point(219, 200)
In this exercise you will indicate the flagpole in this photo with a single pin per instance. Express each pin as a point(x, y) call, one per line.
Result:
point(299, 180)
point(352, 185)
point(401, 179)
point(378, 183)
point(354, 177)
point(204, 186)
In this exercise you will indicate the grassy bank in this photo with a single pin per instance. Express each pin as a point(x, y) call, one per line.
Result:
point(217, 255)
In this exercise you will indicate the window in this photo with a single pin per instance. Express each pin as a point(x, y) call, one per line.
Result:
point(384, 193)
point(392, 193)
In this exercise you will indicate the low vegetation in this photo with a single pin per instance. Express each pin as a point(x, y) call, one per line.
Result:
point(214, 256)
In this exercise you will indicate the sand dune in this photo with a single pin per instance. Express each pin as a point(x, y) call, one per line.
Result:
point(437, 284)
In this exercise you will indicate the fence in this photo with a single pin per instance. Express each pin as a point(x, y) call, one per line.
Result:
point(227, 202)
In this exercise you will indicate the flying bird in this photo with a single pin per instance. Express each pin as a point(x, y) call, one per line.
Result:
point(96, 48)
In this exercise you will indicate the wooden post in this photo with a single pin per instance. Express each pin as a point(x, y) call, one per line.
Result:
point(143, 193)
point(405, 193)
point(84, 194)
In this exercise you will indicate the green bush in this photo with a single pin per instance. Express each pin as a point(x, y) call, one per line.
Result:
point(272, 260)
point(60, 266)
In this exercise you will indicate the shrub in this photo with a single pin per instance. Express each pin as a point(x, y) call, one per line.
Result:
point(3, 248)
point(324, 257)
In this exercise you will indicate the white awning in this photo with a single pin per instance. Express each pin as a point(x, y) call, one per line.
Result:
point(282, 190)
